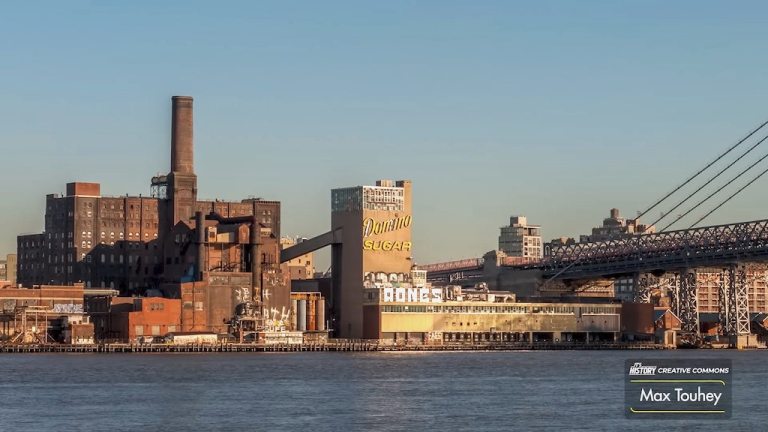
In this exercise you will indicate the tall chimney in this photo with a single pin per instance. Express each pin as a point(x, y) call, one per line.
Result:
point(182, 150)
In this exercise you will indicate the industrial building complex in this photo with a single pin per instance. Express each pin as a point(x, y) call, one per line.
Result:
point(171, 267)
point(219, 259)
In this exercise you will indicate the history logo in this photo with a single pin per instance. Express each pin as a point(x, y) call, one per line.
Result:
point(678, 389)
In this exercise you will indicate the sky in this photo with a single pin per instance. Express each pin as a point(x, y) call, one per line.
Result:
point(556, 110)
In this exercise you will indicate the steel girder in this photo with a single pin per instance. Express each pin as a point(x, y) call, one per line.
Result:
point(724, 303)
point(646, 283)
point(699, 247)
point(738, 301)
point(685, 301)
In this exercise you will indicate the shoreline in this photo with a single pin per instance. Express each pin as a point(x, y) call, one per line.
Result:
point(320, 347)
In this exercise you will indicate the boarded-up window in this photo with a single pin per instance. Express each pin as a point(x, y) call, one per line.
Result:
point(155, 330)
point(139, 330)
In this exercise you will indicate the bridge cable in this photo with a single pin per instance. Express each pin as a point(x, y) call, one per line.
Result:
point(729, 198)
point(702, 170)
point(707, 184)
point(715, 192)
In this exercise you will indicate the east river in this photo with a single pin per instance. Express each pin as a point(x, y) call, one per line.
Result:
point(472, 391)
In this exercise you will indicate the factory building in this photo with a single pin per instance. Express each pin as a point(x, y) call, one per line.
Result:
point(221, 259)
point(415, 312)
point(130, 319)
point(43, 314)
point(379, 293)
point(376, 224)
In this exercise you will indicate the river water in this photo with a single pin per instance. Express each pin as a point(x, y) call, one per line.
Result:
point(472, 391)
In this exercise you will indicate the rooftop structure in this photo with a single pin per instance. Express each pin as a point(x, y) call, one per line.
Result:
point(616, 227)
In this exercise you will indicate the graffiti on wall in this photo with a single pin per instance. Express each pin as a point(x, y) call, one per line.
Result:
point(68, 308)
point(242, 295)
point(276, 319)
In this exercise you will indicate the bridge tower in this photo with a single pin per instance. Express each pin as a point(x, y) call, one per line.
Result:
point(734, 301)
point(685, 300)
point(724, 304)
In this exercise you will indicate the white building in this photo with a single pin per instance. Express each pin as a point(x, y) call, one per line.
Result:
point(520, 239)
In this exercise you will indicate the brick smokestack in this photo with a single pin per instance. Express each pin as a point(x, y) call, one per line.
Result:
point(182, 150)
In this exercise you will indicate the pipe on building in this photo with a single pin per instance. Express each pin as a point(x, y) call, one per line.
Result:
point(182, 150)
point(311, 314)
point(255, 242)
point(295, 309)
point(230, 220)
point(200, 240)
point(301, 315)
point(321, 314)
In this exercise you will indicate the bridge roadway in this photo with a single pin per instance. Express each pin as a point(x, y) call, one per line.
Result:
point(719, 245)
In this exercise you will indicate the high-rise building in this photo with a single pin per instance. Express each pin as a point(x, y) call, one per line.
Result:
point(519, 239)
point(710, 280)
point(376, 223)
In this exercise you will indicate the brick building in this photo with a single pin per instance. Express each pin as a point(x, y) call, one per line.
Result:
point(135, 244)
point(130, 319)
point(40, 314)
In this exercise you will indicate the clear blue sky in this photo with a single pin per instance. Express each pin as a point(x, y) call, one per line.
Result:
point(556, 110)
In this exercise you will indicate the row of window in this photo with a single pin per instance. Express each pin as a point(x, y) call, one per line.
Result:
point(502, 308)
point(153, 330)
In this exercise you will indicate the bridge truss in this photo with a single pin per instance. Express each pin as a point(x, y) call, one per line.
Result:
point(699, 247)
point(669, 260)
